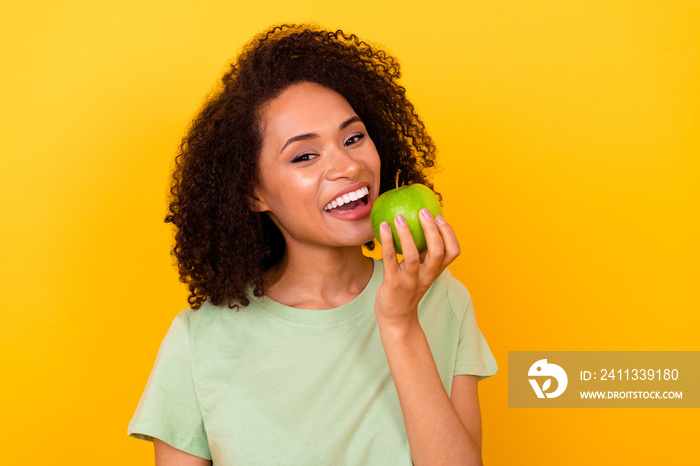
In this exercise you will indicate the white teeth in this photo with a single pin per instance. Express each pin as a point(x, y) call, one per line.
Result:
point(348, 197)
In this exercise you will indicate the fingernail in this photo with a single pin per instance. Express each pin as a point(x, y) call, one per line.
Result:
point(439, 219)
point(384, 226)
point(425, 213)
point(400, 221)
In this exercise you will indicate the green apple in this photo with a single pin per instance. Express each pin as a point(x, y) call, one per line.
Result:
point(407, 201)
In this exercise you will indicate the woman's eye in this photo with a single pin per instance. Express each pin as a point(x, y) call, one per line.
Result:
point(303, 158)
point(354, 139)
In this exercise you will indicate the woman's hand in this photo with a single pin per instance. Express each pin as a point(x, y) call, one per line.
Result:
point(405, 283)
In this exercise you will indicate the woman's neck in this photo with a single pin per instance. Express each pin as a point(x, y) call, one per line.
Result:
point(319, 278)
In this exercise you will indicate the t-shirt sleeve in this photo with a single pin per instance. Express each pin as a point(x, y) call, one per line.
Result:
point(169, 409)
point(474, 356)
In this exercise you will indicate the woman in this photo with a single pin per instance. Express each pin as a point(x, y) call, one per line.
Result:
point(328, 356)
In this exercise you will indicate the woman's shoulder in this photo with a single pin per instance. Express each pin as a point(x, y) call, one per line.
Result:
point(450, 286)
point(449, 293)
point(206, 314)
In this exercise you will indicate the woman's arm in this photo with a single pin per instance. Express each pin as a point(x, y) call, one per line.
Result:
point(465, 398)
point(167, 455)
point(437, 432)
point(440, 430)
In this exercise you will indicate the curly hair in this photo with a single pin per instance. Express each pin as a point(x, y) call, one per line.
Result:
point(222, 246)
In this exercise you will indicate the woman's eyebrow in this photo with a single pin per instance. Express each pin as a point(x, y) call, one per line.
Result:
point(350, 121)
point(300, 137)
point(303, 137)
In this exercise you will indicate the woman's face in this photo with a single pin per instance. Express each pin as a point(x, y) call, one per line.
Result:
point(318, 168)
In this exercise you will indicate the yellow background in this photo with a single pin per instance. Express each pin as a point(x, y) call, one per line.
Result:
point(568, 134)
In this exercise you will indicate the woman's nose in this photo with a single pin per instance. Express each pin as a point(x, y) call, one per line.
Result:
point(343, 165)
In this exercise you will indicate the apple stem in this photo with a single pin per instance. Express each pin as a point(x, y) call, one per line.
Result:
point(397, 178)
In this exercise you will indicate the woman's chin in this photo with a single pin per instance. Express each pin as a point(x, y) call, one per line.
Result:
point(366, 234)
point(355, 237)
point(362, 240)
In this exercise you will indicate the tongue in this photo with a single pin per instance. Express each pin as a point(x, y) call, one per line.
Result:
point(350, 205)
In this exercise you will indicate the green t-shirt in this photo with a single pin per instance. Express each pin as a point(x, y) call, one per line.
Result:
point(271, 384)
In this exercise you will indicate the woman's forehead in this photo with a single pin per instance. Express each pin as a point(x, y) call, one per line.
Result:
point(304, 108)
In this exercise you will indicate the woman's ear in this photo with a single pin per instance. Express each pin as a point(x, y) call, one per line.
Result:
point(257, 203)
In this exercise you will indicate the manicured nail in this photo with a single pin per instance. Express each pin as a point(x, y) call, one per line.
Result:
point(425, 213)
point(439, 219)
point(384, 226)
point(400, 221)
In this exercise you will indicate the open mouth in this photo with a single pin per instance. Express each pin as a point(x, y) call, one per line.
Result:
point(349, 201)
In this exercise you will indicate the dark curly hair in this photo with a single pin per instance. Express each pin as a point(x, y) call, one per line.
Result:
point(222, 246)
